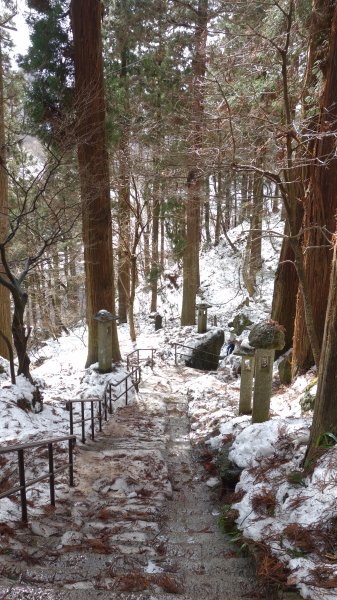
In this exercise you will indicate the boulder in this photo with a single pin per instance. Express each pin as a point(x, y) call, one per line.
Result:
point(229, 473)
point(284, 371)
point(240, 323)
point(205, 350)
point(268, 335)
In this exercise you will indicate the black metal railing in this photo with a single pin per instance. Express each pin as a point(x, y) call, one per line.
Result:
point(134, 358)
point(194, 354)
point(52, 472)
point(131, 380)
point(82, 418)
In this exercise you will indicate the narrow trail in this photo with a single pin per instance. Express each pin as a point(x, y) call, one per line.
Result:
point(138, 525)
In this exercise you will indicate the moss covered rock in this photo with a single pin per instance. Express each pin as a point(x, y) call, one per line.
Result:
point(268, 335)
point(284, 371)
point(229, 473)
point(307, 402)
point(240, 323)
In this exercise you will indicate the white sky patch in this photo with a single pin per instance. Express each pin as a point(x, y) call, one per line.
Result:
point(20, 37)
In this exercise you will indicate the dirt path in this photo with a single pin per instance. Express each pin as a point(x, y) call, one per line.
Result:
point(139, 524)
point(208, 567)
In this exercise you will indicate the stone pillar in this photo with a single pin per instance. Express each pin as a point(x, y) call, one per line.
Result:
point(266, 337)
point(202, 317)
point(246, 385)
point(104, 335)
point(158, 322)
point(264, 360)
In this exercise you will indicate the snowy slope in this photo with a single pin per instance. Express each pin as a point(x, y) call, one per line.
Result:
point(294, 517)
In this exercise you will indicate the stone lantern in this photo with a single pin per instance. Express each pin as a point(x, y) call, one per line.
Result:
point(104, 336)
point(247, 354)
point(266, 337)
point(202, 317)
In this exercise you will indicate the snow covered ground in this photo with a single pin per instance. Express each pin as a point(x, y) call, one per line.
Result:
point(276, 506)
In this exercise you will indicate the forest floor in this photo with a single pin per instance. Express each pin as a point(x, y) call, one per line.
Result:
point(141, 521)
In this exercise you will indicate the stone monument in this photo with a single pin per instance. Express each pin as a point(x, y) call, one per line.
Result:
point(265, 337)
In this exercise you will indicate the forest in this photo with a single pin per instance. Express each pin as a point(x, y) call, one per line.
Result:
point(135, 134)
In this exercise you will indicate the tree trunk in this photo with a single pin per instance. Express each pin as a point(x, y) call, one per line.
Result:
point(5, 311)
point(123, 281)
point(162, 242)
point(325, 414)
point(227, 196)
point(191, 251)
point(56, 295)
point(218, 218)
point(155, 266)
point(94, 168)
point(133, 282)
point(320, 208)
point(207, 211)
point(20, 336)
point(123, 284)
point(255, 264)
point(285, 292)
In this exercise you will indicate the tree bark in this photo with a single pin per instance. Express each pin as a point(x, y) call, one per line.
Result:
point(285, 292)
point(123, 282)
point(255, 264)
point(218, 218)
point(5, 311)
point(155, 265)
point(320, 208)
point(94, 168)
point(325, 414)
point(207, 212)
point(191, 251)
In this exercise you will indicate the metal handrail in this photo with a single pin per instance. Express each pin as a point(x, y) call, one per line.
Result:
point(193, 348)
point(23, 484)
point(102, 409)
point(129, 360)
point(134, 376)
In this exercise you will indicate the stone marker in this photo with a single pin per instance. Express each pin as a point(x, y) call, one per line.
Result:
point(266, 337)
point(104, 335)
point(247, 373)
point(202, 317)
point(158, 322)
point(206, 349)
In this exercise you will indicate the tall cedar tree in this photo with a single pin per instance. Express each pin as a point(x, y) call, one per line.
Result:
point(320, 204)
point(194, 176)
point(5, 319)
point(323, 185)
point(94, 167)
point(324, 418)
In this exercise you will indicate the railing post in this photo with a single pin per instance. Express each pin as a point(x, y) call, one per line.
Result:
point(100, 414)
point(92, 420)
point(71, 463)
point(126, 391)
point(82, 423)
point(71, 417)
point(22, 485)
point(51, 474)
point(110, 399)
